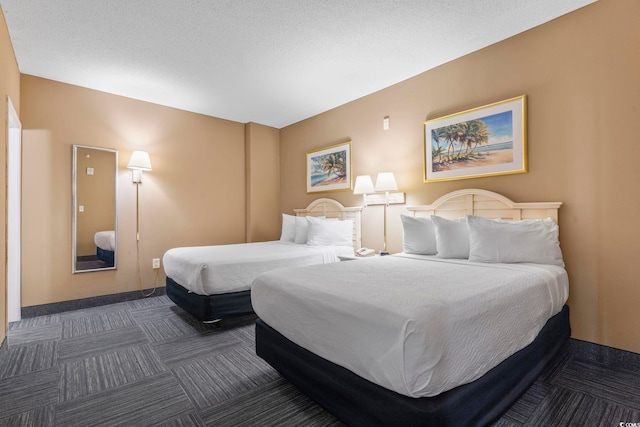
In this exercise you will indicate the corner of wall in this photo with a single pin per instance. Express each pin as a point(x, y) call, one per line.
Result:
point(9, 87)
point(262, 155)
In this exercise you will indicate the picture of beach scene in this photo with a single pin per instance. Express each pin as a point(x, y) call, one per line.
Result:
point(329, 169)
point(479, 142)
point(484, 141)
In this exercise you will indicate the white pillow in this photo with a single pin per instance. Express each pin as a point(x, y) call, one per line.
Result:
point(301, 229)
point(452, 237)
point(288, 228)
point(514, 241)
point(322, 232)
point(419, 236)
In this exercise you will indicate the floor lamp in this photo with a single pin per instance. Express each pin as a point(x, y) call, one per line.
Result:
point(386, 182)
point(139, 162)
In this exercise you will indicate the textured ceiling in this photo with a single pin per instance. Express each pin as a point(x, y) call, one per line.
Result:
point(273, 62)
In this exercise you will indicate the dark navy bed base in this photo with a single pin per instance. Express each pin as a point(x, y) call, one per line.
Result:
point(106, 256)
point(356, 401)
point(208, 308)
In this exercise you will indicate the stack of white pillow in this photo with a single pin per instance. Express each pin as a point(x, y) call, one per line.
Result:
point(316, 231)
point(484, 240)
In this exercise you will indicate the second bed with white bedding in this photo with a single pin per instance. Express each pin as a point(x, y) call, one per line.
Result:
point(416, 325)
point(208, 270)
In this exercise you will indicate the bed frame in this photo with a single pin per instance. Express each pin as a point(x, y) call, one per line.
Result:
point(106, 256)
point(213, 308)
point(487, 204)
point(357, 401)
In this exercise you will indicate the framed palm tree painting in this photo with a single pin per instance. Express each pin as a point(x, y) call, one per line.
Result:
point(329, 169)
point(484, 141)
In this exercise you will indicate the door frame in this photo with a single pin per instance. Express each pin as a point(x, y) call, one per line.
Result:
point(13, 225)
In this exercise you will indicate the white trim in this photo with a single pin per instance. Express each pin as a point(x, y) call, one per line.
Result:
point(14, 212)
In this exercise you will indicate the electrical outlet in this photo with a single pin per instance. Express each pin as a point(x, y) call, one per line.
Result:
point(156, 263)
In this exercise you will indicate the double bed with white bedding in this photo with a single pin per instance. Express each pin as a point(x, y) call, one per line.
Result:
point(208, 270)
point(214, 282)
point(416, 325)
point(427, 338)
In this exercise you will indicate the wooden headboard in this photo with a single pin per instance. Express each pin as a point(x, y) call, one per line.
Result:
point(330, 208)
point(485, 204)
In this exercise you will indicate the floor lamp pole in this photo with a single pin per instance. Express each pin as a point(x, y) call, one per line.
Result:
point(137, 213)
point(138, 242)
point(384, 244)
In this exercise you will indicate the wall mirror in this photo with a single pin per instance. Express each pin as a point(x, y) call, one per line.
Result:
point(94, 195)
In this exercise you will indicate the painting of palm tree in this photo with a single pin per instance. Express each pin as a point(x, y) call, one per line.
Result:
point(485, 141)
point(329, 169)
point(466, 144)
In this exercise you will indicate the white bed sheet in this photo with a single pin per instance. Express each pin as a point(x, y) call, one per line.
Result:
point(416, 325)
point(105, 240)
point(208, 270)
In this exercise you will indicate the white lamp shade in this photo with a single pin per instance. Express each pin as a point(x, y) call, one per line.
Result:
point(386, 182)
point(364, 185)
point(140, 160)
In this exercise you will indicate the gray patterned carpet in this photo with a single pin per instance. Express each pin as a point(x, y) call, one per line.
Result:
point(147, 362)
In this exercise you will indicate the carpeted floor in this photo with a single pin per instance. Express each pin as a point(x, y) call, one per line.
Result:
point(91, 262)
point(147, 362)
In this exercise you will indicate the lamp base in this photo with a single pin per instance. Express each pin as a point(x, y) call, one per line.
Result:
point(136, 175)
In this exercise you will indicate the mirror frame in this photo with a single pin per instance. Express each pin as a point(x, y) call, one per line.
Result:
point(74, 216)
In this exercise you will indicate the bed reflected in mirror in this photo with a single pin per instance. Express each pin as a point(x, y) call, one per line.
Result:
point(94, 197)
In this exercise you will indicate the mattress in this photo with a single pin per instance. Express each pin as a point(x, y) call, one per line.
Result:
point(105, 240)
point(209, 270)
point(415, 325)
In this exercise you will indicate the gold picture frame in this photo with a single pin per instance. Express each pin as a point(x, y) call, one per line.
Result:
point(329, 169)
point(485, 141)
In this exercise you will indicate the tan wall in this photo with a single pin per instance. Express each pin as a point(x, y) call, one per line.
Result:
point(9, 87)
point(193, 196)
point(263, 182)
point(97, 194)
point(581, 74)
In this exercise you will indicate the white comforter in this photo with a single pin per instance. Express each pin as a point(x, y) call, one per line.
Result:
point(416, 325)
point(208, 270)
point(105, 240)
